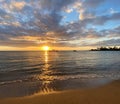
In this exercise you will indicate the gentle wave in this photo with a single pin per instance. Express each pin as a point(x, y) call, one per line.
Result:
point(60, 77)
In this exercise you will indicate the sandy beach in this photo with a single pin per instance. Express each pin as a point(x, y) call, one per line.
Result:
point(106, 94)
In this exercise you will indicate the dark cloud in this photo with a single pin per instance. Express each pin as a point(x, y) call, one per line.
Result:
point(92, 3)
point(101, 20)
point(110, 42)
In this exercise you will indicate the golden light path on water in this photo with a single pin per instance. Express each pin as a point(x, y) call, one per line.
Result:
point(46, 79)
point(46, 57)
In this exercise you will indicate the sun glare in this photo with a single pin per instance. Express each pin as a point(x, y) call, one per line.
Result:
point(46, 48)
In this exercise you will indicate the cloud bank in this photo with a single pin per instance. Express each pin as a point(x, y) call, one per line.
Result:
point(26, 23)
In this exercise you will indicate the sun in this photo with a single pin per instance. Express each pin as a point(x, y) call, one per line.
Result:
point(46, 48)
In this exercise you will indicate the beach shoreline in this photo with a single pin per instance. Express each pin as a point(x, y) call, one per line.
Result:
point(106, 94)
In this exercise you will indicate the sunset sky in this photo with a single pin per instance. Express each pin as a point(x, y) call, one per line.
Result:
point(60, 24)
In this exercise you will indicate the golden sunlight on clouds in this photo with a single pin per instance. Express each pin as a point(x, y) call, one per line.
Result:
point(43, 48)
point(8, 48)
point(27, 38)
point(18, 5)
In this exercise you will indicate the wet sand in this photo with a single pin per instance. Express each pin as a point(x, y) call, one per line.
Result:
point(107, 94)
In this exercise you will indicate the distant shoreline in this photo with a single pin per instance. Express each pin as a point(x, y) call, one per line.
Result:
point(107, 49)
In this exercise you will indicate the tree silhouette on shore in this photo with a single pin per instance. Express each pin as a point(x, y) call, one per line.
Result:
point(107, 49)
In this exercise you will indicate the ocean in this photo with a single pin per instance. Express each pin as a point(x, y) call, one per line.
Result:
point(30, 73)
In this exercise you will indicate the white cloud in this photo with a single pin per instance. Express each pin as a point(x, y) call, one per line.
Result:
point(69, 10)
point(112, 11)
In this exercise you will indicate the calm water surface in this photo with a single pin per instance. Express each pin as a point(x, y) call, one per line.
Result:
point(29, 73)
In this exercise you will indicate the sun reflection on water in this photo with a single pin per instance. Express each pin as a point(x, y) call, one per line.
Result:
point(46, 57)
point(46, 64)
point(45, 76)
